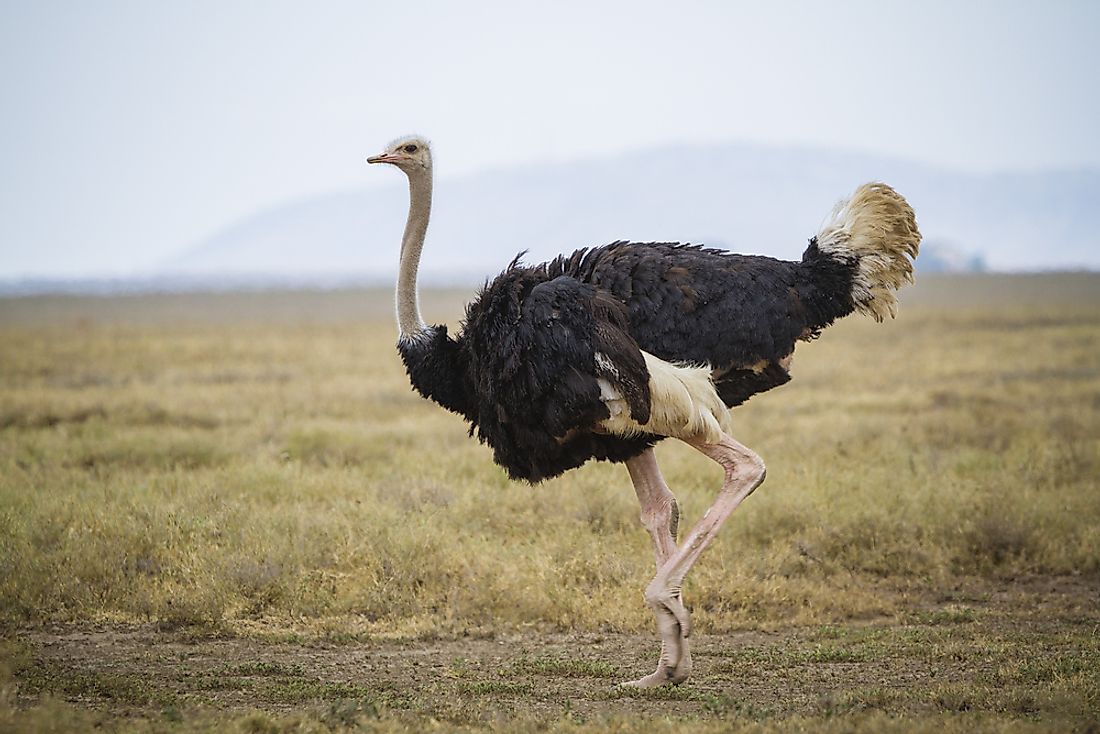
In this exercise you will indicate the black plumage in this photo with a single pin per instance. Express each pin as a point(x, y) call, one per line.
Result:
point(536, 340)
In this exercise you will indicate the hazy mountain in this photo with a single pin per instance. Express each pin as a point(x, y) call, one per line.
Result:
point(747, 198)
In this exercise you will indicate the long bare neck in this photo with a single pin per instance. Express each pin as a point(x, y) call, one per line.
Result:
point(409, 322)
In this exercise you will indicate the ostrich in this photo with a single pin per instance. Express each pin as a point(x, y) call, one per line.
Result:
point(602, 353)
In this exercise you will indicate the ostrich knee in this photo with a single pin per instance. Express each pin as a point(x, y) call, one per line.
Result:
point(662, 516)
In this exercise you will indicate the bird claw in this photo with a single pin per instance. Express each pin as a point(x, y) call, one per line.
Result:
point(661, 677)
point(674, 625)
point(668, 673)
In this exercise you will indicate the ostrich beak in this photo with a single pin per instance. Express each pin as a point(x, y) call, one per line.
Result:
point(385, 158)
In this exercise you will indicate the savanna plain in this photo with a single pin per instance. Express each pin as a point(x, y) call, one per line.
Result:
point(229, 512)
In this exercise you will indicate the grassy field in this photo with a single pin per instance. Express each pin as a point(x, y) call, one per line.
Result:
point(230, 511)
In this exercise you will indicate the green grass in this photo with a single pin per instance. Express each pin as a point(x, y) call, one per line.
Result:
point(254, 466)
point(297, 691)
point(123, 689)
point(489, 687)
point(571, 667)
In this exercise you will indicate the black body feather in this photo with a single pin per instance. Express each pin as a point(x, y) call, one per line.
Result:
point(524, 370)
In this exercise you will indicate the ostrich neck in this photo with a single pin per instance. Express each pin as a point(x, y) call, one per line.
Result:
point(409, 322)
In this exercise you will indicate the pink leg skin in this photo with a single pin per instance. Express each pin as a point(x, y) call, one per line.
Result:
point(660, 513)
point(661, 517)
point(744, 473)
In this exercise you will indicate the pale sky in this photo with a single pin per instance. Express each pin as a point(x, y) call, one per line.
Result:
point(132, 130)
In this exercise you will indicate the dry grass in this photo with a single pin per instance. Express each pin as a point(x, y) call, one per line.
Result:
point(256, 464)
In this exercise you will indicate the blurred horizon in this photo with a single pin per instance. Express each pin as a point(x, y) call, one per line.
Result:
point(134, 134)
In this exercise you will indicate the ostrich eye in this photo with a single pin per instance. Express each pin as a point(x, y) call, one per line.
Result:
point(410, 148)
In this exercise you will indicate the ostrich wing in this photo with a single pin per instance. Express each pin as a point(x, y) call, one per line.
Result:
point(538, 351)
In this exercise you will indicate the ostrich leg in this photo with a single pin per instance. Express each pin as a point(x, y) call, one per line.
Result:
point(744, 473)
point(661, 517)
point(660, 513)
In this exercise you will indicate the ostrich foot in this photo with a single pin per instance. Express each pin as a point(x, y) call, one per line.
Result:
point(666, 674)
point(673, 622)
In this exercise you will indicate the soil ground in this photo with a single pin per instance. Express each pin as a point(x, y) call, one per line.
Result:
point(1017, 649)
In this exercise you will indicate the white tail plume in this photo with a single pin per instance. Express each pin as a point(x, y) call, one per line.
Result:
point(877, 228)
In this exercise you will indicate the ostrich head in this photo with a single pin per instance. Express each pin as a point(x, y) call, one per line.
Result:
point(412, 154)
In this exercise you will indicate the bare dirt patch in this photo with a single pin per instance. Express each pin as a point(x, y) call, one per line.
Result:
point(1023, 648)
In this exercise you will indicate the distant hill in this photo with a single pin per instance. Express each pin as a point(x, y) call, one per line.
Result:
point(747, 198)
